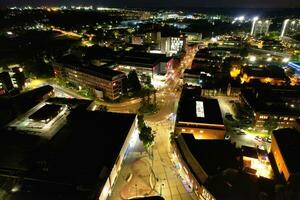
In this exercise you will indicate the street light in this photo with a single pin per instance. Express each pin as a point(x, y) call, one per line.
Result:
point(252, 58)
point(285, 60)
point(135, 190)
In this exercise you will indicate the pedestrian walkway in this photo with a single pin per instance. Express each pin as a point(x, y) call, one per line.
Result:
point(169, 184)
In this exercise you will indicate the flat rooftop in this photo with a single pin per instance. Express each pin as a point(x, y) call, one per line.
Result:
point(272, 101)
point(141, 59)
point(288, 141)
point(48, 111)
point(81, 154)
point(269, 71)
point(101, 72)
point(197, 109)
point(206, 152)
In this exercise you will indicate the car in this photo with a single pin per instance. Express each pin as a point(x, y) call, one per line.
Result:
point(240, 133)
point(267, 139)
point(258, 138)
point(229, 117)
point(227, 137)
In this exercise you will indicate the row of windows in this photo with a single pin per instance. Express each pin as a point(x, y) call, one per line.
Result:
point(276, 117)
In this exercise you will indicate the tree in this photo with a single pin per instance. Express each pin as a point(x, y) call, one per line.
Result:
point(270, 124)
point(244, 52)
point(141, 122)
point(133, 82)
point(146, 136)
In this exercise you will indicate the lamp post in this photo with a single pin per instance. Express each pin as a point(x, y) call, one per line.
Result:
point(135, 190)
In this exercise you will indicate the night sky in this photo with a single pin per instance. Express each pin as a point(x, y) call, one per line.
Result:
point(164, 3)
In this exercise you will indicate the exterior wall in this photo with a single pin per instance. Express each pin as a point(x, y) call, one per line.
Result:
point(118, 163)
point(201, 131)
point(283, 121)
point(282, 168)
point(186, 174)
point(139, 70)
point(111, 89)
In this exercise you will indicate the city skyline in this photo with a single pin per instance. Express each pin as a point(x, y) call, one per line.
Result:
point(164, 4)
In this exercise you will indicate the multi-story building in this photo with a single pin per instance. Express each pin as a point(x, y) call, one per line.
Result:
point(199, 162)
point(5, 83)
point(282, 106)
point(106, 82)
point(285, 148)
point(172, 44)
point(145, 63)
point(260, 27)
point(290, 27)
point(82, 160)
point(199, 116)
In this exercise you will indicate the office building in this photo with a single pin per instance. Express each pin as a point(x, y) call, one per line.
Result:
point(280, 105)
point(199, 116)
point(105, 82)
point(145, 63)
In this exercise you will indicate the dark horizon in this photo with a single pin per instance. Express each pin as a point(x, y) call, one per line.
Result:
point(190, 4)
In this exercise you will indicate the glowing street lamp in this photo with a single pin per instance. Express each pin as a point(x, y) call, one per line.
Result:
point(252, 58)
point(285, 60)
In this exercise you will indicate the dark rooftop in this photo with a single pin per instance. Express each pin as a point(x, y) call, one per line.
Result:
point(214, 156)
point(271, 101)
point(187, 107)
point(269, 71)
point(101, 72)
point(47, 111)
point(288, 141)
point(75, 162)
point(147, 60)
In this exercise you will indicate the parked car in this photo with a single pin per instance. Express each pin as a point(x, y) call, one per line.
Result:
point(229, 117)
point(258, 138)
point(240, 133)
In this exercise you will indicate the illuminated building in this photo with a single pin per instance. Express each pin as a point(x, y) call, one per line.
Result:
point(172, 43)
point(281, 105)
point(193, 37)
point(260, 27)
point(268, 75)
point(145, 63)
point(199, 116)
point(285, 148)
point(105, 82)
point(256, 162)
point(199, 161)
point(290, 27)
